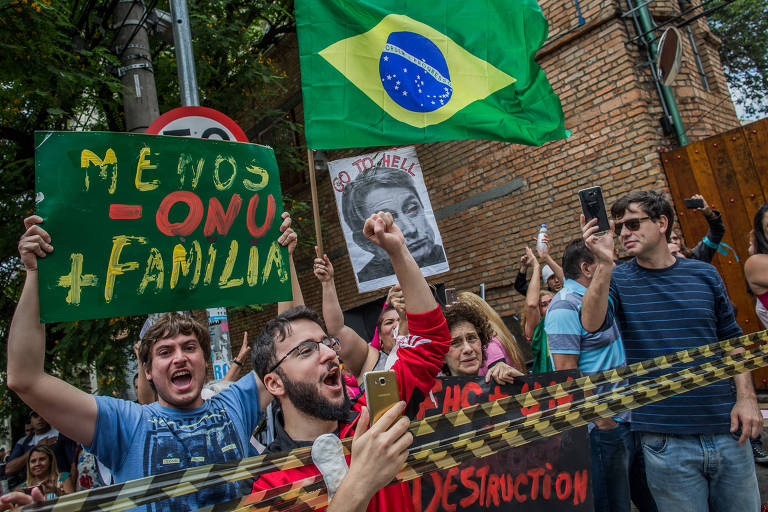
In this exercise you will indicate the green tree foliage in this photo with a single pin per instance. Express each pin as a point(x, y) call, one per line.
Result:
point(743, 28)
point(59, 73)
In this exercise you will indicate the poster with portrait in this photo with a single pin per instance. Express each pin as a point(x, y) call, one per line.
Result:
point(389, 180)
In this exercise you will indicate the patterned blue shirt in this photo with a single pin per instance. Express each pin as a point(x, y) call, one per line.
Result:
point(660, 311)
point(598, 351)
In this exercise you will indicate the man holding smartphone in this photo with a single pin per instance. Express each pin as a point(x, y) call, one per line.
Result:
point(299, 364)
point(663, 304)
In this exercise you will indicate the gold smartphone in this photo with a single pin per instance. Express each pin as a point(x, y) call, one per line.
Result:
point(381, 393)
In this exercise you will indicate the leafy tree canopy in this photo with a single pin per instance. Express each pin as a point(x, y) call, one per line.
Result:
point(59, 65)
point(743, 28)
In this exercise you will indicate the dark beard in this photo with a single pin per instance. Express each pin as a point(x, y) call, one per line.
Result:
point(304, 397)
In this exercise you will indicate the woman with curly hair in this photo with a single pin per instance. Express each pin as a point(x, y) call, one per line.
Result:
point(503, 345)
point(470, 333)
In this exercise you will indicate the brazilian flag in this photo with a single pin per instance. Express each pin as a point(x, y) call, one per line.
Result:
point(393, 72)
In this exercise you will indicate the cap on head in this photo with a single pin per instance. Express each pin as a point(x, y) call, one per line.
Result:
point(546, 273)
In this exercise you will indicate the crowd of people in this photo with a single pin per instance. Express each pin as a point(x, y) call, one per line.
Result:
point(592, 312)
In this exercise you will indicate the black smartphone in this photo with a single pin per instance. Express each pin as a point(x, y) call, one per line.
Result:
point(692, 204)
point(450, 296)
point(593, 206)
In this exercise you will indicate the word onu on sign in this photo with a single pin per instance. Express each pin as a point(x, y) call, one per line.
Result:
point(145, 223)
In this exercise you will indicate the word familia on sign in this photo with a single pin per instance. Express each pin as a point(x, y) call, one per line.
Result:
point(144, 223)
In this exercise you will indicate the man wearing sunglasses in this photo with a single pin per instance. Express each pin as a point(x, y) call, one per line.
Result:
point(694, 460)
point(299, 364)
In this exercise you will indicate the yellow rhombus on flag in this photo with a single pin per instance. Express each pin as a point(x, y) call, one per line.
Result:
point(374, 74)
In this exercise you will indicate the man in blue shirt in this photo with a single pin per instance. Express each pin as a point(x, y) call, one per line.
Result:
point(612, 444)
point(664, 304)
point(178, 431)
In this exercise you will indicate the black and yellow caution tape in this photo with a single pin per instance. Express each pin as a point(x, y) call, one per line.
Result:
point(510, 434)
point(167, 485)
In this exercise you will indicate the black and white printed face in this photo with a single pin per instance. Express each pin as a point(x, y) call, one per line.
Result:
point(409, 216)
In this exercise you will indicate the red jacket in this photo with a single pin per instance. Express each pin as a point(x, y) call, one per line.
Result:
point(420, 359)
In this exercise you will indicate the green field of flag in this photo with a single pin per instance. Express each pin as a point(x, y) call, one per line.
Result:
point(392, 72)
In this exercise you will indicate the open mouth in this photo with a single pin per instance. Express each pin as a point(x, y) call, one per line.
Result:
point(333, 378)
point(181, 378)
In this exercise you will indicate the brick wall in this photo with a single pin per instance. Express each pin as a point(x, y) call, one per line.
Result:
point(613, 110)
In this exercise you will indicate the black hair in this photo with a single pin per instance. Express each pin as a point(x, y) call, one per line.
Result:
point(761, 237)
point(652, 203)
point(574, 254)
point(263, 349)
point(353, 197)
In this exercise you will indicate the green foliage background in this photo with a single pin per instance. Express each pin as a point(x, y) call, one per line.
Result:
point(59, 73)
point(743, 28)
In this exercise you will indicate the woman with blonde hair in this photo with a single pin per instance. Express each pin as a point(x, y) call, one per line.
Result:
point(503, 346)
point(43, 473)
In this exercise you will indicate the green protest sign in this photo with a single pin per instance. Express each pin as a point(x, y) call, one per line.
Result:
point(147, 223)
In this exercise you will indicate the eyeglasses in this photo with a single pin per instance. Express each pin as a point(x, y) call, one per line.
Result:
point(306, 348)
point(632, 224)
point(470, 338)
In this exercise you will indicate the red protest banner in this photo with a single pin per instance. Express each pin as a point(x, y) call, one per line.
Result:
point(551, 474)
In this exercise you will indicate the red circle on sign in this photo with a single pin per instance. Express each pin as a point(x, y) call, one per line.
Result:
point(172, 115)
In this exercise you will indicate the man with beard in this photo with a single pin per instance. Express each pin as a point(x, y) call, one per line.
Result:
point(180, 430)
point(299, 364)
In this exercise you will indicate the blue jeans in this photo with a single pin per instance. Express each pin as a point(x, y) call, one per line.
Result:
point(617, 471)
point(700, 472)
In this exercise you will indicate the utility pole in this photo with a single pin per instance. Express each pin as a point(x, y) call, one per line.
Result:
point(135, 72)
point(185, 58)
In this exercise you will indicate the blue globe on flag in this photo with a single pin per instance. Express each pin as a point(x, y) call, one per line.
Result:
point(414, 72)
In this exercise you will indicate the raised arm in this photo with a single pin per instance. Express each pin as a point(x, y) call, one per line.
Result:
point(396, 300)
point(594, 306)
point(532, 313)
point(65, 407)
point(289, 238)
point(357, 355)
point(756, 272)
point(381, 229)
point(521, 279)
point(237, 363)
point(549, 260)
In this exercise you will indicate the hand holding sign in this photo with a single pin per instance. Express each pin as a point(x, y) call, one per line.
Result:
point(322, 267)
point(502, 373)
point(201, 236)
point(34, 243)
point(380, 228)
point(288, 237)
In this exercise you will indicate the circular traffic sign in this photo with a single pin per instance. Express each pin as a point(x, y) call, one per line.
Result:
point(199, 122)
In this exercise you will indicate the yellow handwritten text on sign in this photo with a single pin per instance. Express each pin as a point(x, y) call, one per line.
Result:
point(146, 223)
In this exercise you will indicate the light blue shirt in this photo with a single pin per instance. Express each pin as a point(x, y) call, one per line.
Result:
point(598, 351)
point(135, 440)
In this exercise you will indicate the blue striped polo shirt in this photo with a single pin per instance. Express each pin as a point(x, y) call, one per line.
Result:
point(598, 351)
point(665, 310)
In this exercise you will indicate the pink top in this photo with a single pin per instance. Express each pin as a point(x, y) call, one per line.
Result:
point(494, 352)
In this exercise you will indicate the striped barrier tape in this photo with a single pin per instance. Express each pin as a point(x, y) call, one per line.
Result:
point(167, 485)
